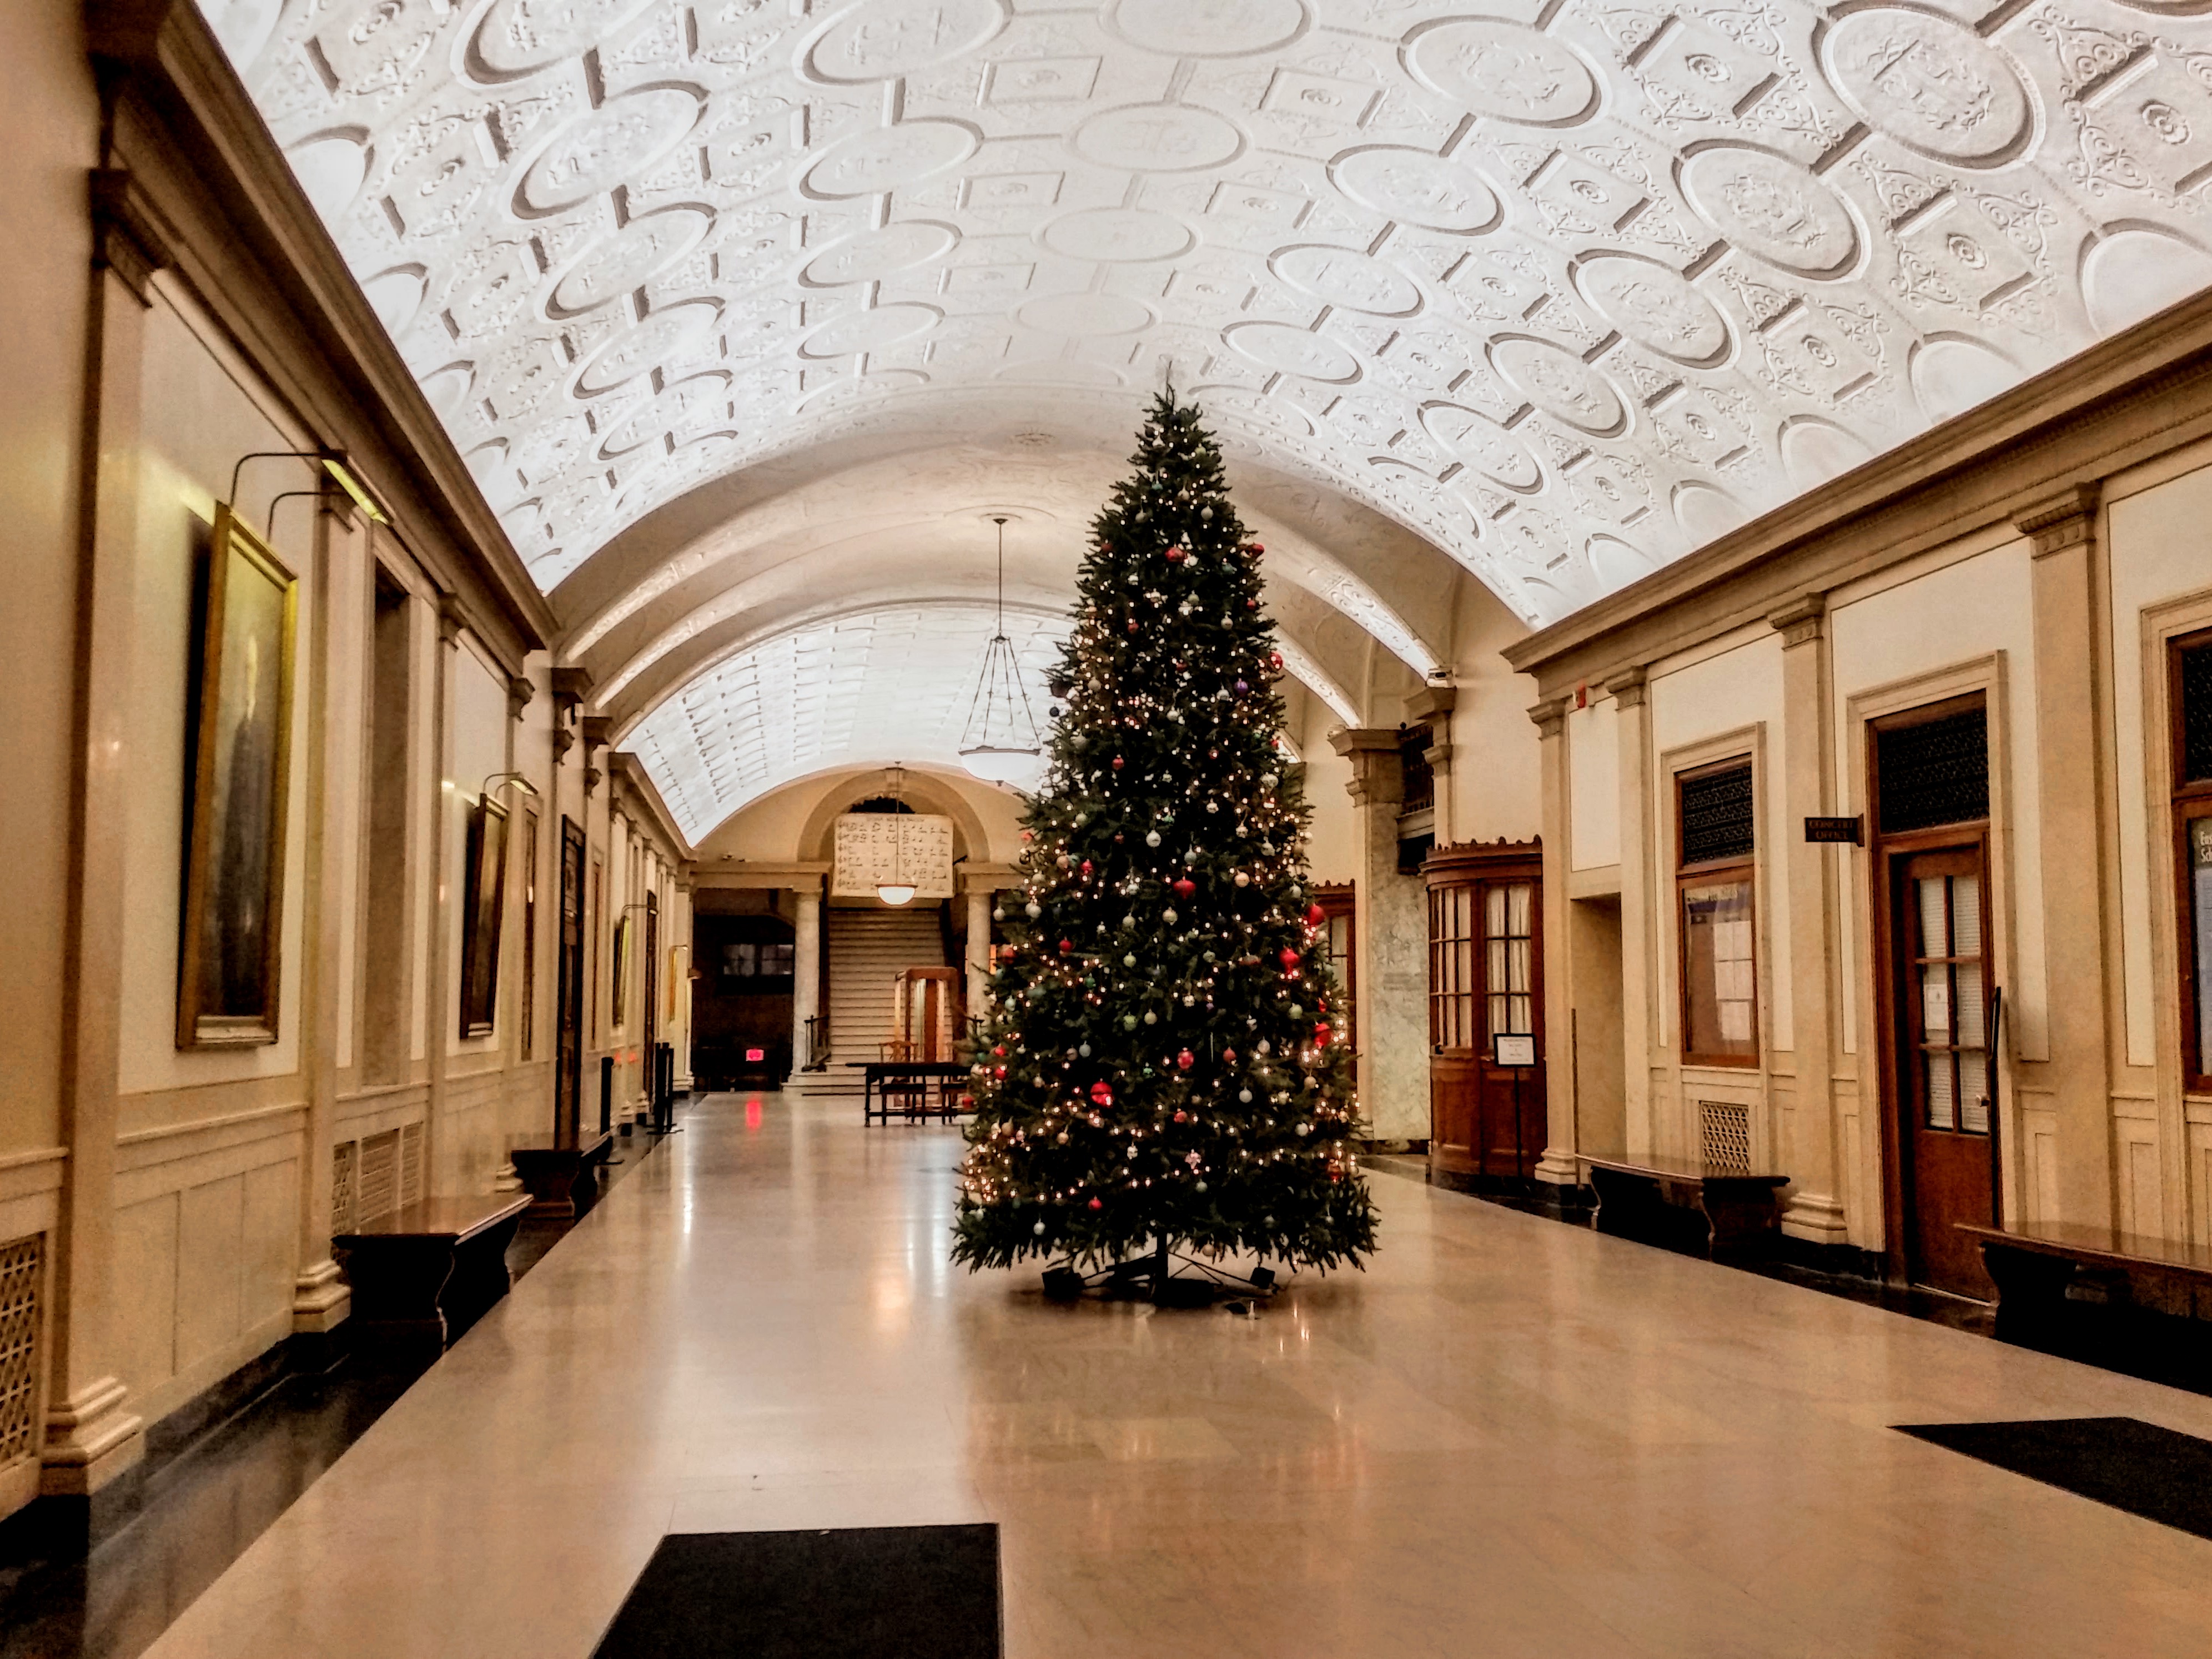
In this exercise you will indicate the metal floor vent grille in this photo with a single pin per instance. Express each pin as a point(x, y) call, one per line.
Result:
point(1724, 1131)
point(23, 1283)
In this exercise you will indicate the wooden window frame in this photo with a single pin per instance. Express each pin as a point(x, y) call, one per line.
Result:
point(1704, 873)
point(2190, 800)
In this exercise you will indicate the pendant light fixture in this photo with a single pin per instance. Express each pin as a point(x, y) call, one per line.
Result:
point(1000, 744)
point(897, 890)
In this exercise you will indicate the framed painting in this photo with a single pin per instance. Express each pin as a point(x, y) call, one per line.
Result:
point(483, 902)
point(230, 954)
point(618, 992)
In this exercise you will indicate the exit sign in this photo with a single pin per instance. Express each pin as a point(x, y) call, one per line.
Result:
point(1832, 831)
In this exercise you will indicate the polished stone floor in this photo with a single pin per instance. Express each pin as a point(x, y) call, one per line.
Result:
point(1507, 1437)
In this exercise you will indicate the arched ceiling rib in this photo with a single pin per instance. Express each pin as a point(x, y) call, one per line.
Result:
point(1568, 288)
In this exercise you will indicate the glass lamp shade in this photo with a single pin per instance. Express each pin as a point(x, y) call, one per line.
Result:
point(995, 763)
point(895, 892)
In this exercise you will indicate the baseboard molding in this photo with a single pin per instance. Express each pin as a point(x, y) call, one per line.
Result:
point(63, 1528)
point(1842, 1260)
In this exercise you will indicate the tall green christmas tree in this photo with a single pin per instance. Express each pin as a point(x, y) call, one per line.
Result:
point(1163, 1067)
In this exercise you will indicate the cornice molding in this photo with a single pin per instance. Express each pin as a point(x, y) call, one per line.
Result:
point(2144, 392)
point(242, 238)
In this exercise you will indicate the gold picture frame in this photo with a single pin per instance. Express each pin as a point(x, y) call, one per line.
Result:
point(483, 905)
point(231, 930)
point(618, 991)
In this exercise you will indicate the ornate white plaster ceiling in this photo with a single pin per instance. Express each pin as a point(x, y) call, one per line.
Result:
point(871, 687)
point(1567, 286)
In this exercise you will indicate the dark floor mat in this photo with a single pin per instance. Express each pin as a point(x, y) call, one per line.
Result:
point(855, 1593)
point(2158, 1473)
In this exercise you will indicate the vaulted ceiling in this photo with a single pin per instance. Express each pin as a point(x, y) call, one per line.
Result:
point(750, 312)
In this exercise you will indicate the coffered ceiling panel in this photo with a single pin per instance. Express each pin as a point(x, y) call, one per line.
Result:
point(1568, 287)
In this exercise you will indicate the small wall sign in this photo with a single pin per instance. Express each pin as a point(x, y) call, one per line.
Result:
point(1515, 1052)
point(1832, 831)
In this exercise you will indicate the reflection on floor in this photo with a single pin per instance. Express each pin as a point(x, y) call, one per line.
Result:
point(1509, 1437)
point(201, 1510)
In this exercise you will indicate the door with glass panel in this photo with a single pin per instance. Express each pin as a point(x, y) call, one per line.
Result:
point(1944, 1073)
point(1931, 810)
point(1486, 974)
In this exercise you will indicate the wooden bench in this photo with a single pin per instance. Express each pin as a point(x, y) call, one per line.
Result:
point(2035, 1266)
point(429, 1270)
point(563, 1180)
point(1741, 1208)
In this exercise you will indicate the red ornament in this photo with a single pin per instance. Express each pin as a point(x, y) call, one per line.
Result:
point(1229, 1056)
point(1289, 958)
point(1027, 835)
point(1321, 1033)
point(1275, 660)
point(1184, 887)
point(1086, 868)
point(1186, 1059)
point(1133, 628)
point(999, 1073)
point(1065, 946)
point(1117, 762)
point(1181, 1117)
point(1314, 915)
point(1175, 555)
point(1000, 1050)
point(1101, 1093)
point(1096, 1205)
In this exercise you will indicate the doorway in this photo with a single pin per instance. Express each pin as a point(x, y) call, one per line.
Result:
point(569, 1042)
point(1487, 1122)
point(1931, 855)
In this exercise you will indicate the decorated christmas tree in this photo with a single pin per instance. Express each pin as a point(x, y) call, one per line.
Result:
point(1164, 1069)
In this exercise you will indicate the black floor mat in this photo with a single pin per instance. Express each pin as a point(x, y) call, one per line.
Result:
point(2158, 1473)
point(855, 1593)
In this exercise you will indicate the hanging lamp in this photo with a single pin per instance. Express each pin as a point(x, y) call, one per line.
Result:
point(1000, 744)
point(897, 890)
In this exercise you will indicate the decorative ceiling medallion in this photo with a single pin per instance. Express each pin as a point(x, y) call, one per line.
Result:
point(1114, 234)
point(883, 40)
point(595, 152)
point(1770, 206)
point(1159, 138)
point(872, 160)
point(873, 330)
point(1654, 305)
point(662, 334)
point(1347, 278)
point(626, 259)
point(872, 255)
point(1417, 188)
point(1208, 28)
point(1560, 384)
point(1504, 69)
point(1284, 349)
point(1929, 82)
point(1084, 313)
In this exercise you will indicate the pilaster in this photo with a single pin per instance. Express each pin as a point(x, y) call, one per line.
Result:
point(1391, 936)
point(1810, 1133)
point(2070, 697)
point(1639, 960)
point(1559, 1166)
point(91, 1436)
point(805, 968)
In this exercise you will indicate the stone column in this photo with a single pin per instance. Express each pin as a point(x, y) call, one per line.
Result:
point(980, 900)
point(678, 1000)
point(1390, 929)
point(1638, 986)
point(1433, 703)
point(438, 1015)
point(805, 970)
point(91, 1436)
point(1808, 1148)
point(2071, 720)
point(1559, 1166)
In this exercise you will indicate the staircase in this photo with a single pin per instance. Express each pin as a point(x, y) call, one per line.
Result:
point(868, 950)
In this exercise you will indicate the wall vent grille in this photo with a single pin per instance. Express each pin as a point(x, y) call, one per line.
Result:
point(1717, 819)
point(380, 1175)
point(1724, 1129)
point(411, 1163)
point(345, 1186)
point(22, 1312)
point(2197, 714)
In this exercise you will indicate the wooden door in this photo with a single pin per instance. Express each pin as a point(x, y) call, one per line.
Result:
point(1486, 975)
point(1940, 1062)
point(568, 1057)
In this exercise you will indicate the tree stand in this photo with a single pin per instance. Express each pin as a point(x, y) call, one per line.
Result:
point(1157, 1279)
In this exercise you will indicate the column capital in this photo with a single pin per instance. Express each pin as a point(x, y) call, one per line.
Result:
point(2064, 519)
point(520, 688)
point(597, 729)
point(1379, 775)
point(1434, 698)
point(1551, 717)
point(452, 619)
point(1800, 622)
point(132, 239)
point(1626, 688)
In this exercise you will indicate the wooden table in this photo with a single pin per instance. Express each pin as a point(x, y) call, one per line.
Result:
point(564, 1181)
point(429, 1270)
point(1740, 1207)
point(2035, 1264)
point(877, 1072)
